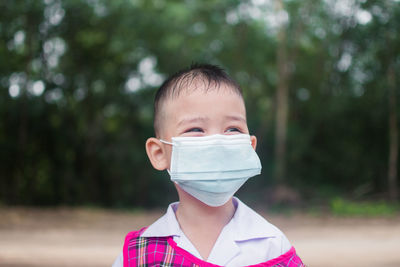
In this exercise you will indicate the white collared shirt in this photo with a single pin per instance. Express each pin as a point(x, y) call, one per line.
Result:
point(247, 239)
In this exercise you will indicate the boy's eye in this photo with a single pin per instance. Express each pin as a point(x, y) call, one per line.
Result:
point(233, 129)
point(195, 130)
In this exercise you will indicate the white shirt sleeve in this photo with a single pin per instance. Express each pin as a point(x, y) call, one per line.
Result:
point(286, 246)
point(119, 261)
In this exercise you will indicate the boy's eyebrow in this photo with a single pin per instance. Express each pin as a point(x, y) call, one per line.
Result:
point(191, 120)
point(236, 118)
point(204, 119)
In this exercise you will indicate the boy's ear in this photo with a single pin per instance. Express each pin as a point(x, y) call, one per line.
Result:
point(253, 140)
point(157, 154)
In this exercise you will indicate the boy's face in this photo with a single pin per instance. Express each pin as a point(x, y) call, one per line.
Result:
point(199, 113)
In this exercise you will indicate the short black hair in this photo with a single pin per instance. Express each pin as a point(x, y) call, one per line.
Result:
point(212, 77)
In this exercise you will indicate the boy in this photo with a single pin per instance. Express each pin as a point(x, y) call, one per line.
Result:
point(202, 140)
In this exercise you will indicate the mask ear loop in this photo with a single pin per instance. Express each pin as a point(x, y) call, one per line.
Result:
point(165, 142)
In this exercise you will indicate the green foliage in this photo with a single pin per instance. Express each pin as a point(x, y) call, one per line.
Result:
point(77, 80)
point(342, 207)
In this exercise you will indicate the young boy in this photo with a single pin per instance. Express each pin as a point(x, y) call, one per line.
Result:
point(202, 140)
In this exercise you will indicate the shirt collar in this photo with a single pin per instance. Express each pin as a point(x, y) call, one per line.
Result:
point(167, 225)
point(245, 224)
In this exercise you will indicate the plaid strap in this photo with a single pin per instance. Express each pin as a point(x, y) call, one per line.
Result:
point(162, 251)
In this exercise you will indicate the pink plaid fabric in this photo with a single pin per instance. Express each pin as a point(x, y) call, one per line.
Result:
point(162, 251)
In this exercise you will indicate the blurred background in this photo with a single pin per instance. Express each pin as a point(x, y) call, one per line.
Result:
point(320, 79)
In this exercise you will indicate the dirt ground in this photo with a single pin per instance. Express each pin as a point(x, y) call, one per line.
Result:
point(84, 237)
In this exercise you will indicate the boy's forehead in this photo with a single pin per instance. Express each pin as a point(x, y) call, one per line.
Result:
point(204, 91)
point(198, 101)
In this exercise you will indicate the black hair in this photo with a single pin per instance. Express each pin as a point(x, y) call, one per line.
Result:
point(211, 76)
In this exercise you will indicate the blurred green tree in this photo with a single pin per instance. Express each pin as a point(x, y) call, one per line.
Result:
point(78, 77)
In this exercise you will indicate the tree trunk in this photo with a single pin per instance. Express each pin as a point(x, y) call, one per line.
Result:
point(393, 136)
point(281, 104)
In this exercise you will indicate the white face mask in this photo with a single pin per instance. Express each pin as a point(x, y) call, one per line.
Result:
point(212, 168)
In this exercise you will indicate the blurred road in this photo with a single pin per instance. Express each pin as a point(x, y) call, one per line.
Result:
point(84, 237)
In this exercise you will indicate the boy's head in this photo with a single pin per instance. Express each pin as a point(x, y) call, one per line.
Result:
point(204, 77)
point(199, 101)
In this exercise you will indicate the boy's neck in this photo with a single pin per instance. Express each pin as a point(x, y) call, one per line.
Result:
point(201, 223)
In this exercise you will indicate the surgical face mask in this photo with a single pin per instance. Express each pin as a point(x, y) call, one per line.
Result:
point(212, 168)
